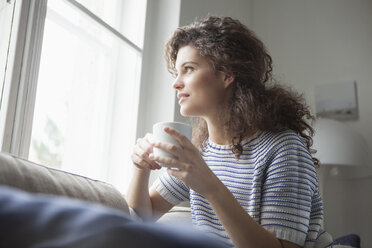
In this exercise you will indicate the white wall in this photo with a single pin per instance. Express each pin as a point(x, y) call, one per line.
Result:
point(192, 9)
point(316, 42)
point(156, 93)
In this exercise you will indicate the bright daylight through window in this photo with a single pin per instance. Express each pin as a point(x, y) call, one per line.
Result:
point(88, 85)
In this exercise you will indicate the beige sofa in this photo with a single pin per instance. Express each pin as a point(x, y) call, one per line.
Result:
point(36, 178)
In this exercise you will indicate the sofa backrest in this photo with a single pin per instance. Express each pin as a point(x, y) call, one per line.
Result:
point(32, 177)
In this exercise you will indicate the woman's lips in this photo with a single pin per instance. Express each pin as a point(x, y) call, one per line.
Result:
point(182, 97)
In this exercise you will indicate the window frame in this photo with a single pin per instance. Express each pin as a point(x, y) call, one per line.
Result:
point(19, 98)
point(20, 87)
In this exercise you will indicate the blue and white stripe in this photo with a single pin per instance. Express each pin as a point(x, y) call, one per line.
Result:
point(274, 181)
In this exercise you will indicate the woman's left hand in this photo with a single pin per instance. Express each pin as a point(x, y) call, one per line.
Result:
point(188, 166)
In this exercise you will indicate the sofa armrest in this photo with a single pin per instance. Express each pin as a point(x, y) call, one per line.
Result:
point(35, 178)
point(181, 215)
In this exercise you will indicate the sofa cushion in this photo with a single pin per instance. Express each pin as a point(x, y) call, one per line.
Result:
point(29, 220)
point(32, 177)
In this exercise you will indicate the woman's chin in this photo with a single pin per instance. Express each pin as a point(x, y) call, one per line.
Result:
point(185, 112)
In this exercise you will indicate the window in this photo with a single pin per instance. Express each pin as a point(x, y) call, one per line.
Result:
point(6, 17)
point(86, 99)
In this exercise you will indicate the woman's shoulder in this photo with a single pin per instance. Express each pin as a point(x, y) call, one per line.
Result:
point(269, 139)
point(284, 145)
point(268, 143)
point(271, 144)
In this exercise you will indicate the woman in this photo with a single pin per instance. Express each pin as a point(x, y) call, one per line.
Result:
point(249, 174)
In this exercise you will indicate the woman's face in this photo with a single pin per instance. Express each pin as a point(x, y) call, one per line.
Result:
point(200, 89)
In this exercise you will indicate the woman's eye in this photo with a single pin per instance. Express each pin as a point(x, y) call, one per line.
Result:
point(189, 69)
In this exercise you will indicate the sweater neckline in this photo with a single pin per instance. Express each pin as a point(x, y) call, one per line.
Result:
point(244, 142)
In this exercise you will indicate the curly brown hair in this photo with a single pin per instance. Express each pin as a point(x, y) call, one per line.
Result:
point(258, 102)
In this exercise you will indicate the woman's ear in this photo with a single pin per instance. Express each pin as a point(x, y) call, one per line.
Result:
point(228, 79)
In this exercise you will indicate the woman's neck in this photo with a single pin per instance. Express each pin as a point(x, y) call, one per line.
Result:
point(217, 133)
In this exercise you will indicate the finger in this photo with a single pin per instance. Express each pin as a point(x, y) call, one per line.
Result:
point(145, 145)
point(168, 147)
point(140, 163)
point(143, 155)
point(144, 164)
point(145, 149)
point(149, 137)
point(182, 139)
point(171, 162)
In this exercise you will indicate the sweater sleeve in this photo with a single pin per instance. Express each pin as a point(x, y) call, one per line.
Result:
point(291, 204)
point(172, 189)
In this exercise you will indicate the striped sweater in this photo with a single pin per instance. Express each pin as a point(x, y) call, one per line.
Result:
point(274, 181)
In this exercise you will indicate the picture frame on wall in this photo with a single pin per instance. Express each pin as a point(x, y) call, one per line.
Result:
point(337, 100)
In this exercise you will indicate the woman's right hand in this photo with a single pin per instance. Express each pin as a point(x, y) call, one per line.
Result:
point(140, 154)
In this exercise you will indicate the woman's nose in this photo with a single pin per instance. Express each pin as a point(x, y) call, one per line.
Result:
point(178, 84)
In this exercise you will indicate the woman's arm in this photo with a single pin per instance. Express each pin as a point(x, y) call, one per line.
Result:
point(147, 205)
point(138, 197)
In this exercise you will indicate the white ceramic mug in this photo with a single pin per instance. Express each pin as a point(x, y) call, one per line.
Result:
point(160, 135)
